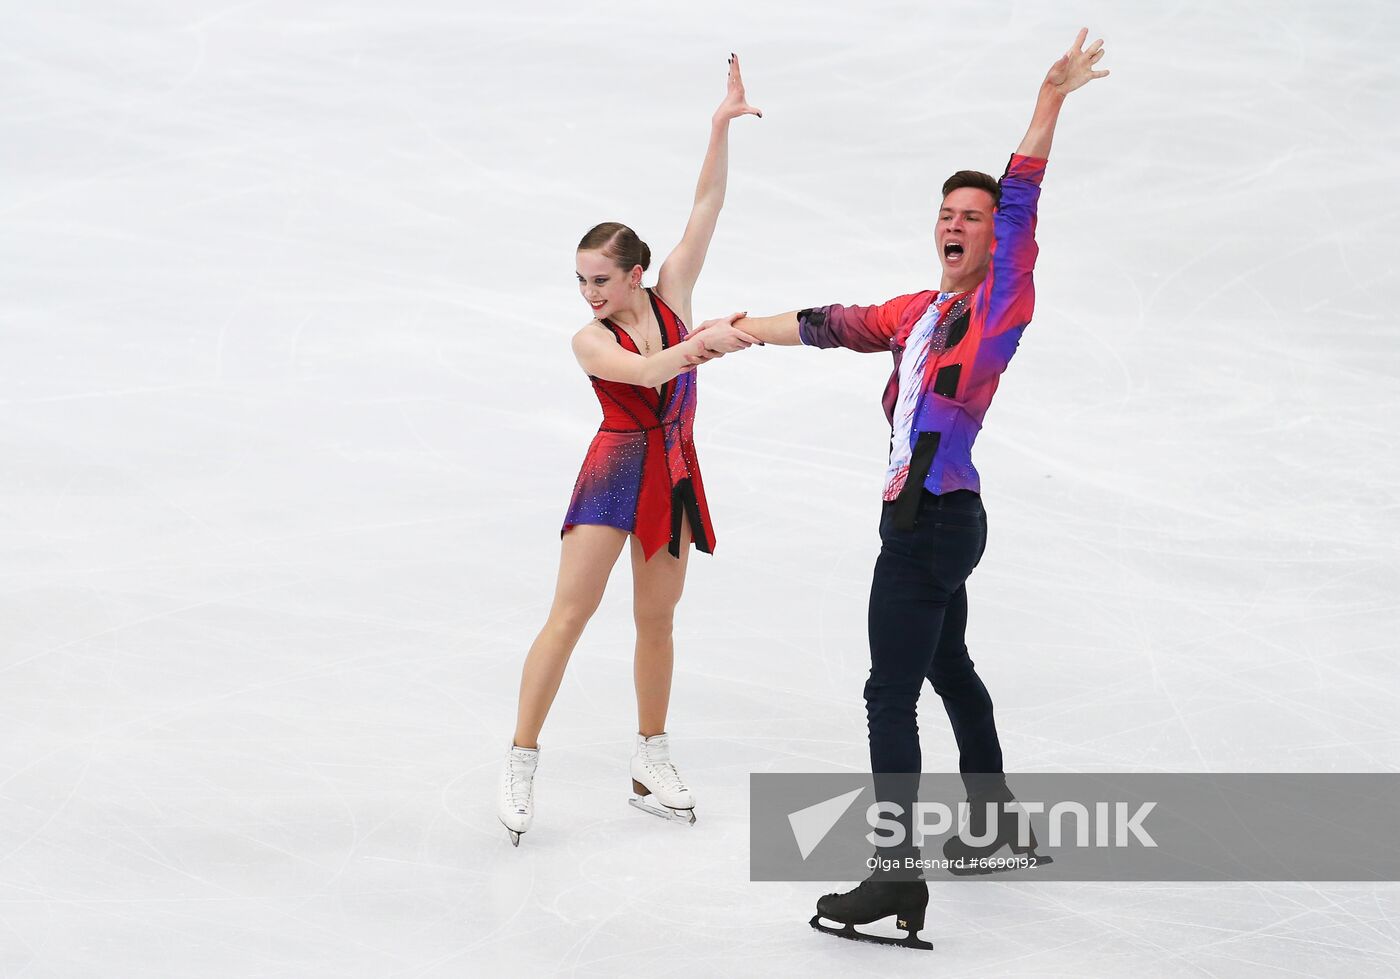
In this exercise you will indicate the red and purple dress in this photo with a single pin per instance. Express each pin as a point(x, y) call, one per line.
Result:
point(641, 474)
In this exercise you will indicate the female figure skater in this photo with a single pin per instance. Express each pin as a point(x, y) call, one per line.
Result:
point(640, 479)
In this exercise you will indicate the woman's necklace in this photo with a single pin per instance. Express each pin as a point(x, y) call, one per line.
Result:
point(646, 339)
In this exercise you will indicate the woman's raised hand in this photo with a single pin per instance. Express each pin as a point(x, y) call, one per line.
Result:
point(735, 104)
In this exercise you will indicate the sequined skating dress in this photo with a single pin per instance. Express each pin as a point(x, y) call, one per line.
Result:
point(640, 474)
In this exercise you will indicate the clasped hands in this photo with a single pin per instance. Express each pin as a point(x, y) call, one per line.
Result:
point(718, 337)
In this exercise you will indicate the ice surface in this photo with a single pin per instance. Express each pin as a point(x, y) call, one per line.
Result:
point(288, 422)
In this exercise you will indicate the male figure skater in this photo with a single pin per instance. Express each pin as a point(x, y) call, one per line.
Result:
point(950, 347)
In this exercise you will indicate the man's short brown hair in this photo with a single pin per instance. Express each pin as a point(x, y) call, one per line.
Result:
point(974, 178)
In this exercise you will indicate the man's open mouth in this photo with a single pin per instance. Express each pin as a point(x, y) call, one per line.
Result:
point(952, 249)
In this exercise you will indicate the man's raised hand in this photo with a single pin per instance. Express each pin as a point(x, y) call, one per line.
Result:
point(1076, 67)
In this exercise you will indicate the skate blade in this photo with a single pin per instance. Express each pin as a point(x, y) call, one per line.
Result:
point(910, 940)
point(980, 871)
point(513, 834)
point(665, 812)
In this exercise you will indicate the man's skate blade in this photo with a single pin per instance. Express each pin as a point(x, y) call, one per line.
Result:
point(910, 940)
point(656, 809)
point(514, 837)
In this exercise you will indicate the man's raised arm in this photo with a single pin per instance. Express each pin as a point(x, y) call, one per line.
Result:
point(1011, 301)
point(1074, 69)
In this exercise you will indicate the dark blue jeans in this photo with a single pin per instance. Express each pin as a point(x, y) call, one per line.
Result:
point(918, 614)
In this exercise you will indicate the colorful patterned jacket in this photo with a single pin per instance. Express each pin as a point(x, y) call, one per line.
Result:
point(973, 340)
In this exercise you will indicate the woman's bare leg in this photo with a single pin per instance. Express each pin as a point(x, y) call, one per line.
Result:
point(586, 558)
point(656, 589)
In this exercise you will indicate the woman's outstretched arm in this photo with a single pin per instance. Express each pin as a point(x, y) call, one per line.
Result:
point(682, 266)
point(600, 355)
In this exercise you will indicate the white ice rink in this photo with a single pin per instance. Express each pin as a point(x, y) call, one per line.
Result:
point(289, 419)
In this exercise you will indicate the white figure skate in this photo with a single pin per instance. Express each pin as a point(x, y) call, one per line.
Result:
point(657, 786)
point(517, 803)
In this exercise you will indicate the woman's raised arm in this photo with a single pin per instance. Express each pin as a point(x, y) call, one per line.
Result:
point(682, 266)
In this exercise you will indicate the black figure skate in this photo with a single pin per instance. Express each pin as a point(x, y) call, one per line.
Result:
point(970, 859)
point(907, 900)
